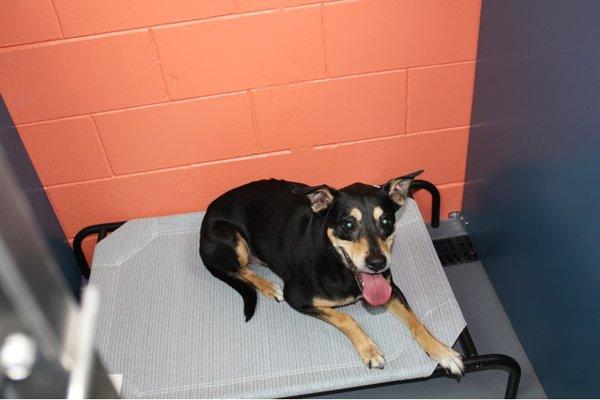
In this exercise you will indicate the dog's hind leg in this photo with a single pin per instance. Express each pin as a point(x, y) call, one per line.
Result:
point(226, 255)
point(269, 289)
point(218, 249)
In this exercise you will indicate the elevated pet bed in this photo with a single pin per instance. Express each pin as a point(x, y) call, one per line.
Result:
point(172, 330)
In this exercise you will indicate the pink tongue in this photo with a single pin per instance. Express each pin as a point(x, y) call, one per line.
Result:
point(376, 289)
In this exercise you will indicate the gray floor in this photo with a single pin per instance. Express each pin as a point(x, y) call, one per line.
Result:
point(491, 330)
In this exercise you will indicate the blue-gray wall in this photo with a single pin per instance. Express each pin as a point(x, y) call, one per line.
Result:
point(14, 150)
point(533, 191)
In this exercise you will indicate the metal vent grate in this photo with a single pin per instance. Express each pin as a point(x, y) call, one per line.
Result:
point(455, 250)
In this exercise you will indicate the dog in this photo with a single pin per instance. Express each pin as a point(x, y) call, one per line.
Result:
point(330, 247)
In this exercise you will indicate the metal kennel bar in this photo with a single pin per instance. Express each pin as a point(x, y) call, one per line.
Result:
point(473, 361)
point(46, 340)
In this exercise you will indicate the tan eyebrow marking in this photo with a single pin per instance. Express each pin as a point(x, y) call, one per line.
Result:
point(355, 212)
point(377, 213)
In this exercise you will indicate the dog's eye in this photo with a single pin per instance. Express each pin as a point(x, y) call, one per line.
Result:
point(385, 221)
point(347, 225)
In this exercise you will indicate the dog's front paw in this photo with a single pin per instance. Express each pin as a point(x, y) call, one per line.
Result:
point(371, 356)
point(449, 359)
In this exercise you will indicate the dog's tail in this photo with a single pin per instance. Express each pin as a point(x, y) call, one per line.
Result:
point(246, 290)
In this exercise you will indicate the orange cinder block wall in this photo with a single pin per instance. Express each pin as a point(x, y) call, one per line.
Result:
point(131, 108)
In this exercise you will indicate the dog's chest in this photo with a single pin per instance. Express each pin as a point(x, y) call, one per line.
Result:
point(339, 291)
point(339, 302)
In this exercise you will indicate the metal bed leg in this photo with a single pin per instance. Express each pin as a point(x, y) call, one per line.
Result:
point(497, 361)
point(466, 342)
point(100, 229)
point(435, 199)
point(474, 362)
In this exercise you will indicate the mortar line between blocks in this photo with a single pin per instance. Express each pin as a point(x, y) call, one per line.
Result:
point(324, 42)
point(239, 91)
point(162, 70)
point(62, 32)
point(165, 25)
point(450, 184)
point(406, 102)
point(254, 122)
point(174, 168)
point(102, 145)
point(386, 137)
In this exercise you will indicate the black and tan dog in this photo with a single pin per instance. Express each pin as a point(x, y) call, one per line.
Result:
point(330, 248)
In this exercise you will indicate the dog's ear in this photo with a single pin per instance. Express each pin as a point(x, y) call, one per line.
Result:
point(398, 188)
point(320, 196)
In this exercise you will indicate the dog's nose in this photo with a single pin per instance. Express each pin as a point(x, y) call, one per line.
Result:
point(376, 263)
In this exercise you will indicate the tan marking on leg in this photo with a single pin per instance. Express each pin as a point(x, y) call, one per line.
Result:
point(355, 212)
point(438, 351)
point(377, 213)
point(242, 250)
point(320, 302)
point(364, 346)
point(269, 289)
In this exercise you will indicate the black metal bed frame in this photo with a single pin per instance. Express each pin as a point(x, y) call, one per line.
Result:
point(472, 360)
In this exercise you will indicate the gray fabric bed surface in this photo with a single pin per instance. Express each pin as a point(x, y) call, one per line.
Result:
point(173, 330)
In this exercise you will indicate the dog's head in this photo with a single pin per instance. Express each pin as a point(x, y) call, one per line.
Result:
point(359, 221)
